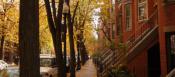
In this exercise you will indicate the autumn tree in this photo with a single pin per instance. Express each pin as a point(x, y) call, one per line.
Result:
point(76, 16)
point(54, 20)
point(106, 22)
point(71, 39)
point(8, 27)
point(29, 38)
point(46, 45)
point(82, 25)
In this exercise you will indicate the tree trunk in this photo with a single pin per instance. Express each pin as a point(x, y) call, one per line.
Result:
point(58, 51)
point(72, 50)
point(71, 40)
point(29, 38)
point(82, 53)
point(2, 47)
point(78, 61)
point(55, 29)
point(78, 50)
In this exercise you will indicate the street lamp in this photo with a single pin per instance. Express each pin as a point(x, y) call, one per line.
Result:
point(65, 12)
point(65, 8)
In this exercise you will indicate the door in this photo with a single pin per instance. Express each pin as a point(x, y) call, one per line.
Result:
point(170, 48)
point(154, 61)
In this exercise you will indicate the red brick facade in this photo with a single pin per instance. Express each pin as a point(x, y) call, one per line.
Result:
point(142, 26)
point(159, 13)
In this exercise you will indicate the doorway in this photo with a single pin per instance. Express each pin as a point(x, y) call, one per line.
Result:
point(170, 49)
point(154, 61)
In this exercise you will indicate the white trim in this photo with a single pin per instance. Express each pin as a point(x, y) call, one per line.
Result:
point(145, 5)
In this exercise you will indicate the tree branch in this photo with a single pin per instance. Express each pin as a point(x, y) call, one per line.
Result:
point(107, 37)
point(49, 18)
point(74, 14)
point(54, 9)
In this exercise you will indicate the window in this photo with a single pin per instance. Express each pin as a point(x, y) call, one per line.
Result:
point(142, 9)
point(169, 0)
point(10, 1)
point(155, 3)
point(113, 31)
point(172, 38)
point(119, 24)
point(108, 32)
point(140, 1)
point(47, 62)
point(170, 50)
point(113, 1)
point(118, 1)
point(112, 8)
point(128, 17)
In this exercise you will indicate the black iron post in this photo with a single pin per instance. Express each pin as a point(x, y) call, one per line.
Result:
point(64, 40)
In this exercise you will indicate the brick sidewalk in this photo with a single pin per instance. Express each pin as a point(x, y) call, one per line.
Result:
point(88, 70)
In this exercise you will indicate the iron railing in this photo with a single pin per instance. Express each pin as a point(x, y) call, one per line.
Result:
point(144, 28)
point(105, 62)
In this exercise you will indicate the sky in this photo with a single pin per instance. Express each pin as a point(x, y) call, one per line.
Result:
point(96, 21)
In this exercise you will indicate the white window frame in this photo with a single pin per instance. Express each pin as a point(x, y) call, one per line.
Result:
point(144, 5)
point(128, 26)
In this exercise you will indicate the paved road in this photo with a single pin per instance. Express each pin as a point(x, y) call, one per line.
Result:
point(10, 72)
point(88, 70)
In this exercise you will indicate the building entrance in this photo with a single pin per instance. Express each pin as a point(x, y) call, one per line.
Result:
point(154, 61)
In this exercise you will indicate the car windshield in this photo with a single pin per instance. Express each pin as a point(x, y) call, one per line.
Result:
point(2, 62)
point(46, 62)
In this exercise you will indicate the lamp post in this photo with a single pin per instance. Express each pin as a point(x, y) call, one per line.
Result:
point(65, 12)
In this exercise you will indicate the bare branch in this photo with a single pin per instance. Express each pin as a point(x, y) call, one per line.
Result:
point(54, 10)
point(49, 17)
point(74, 14)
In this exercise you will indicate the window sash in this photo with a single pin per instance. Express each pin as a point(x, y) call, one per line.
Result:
point(128, 17)
point(119, 25)
point(142, 10)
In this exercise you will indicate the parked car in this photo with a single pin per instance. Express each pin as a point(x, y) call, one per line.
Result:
point(48, 65)
point(171, 73)
point(13, 71)
point(3, 65)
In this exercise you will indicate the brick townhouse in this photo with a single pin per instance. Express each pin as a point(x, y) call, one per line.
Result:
point(147, 28)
